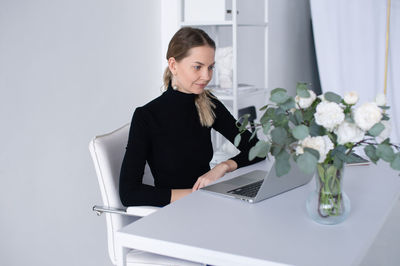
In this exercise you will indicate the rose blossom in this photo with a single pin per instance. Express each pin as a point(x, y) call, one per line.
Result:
point(386, 132)
point(305, 102)
point(349, 132)
point(329, 115)
point(350, 97)
point(367, 115)
point(320, 143)
point(380, 99)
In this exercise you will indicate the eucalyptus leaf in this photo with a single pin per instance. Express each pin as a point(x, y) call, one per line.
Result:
point(300, 132)
point(279, 97)
point(264, 107)
point(354, 158)
point(332, 97)
point(348, 118)
point(370, 151)
point(266, 127)
point(237, 140)
point(279, 135)
point(282, 165)
point(277, 90)
point(337, 162)
point(244, 122)
point(313, 152)
point(261, 150)
point(385, 152)
point(289, 104)
point(302, 90)
point(384, 107)
point(316, 130)
point(276, 149)
point(254, 134)
point(395, 164)
point(376, 129)
point(385, 117)
point(307, 162)
point(299, 117)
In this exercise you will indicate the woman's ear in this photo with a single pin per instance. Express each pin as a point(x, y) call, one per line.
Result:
point(172, 65)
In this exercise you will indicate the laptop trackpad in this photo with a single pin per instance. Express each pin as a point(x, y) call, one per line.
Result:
point(240, 181)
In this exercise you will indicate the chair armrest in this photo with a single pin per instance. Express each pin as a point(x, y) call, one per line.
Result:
point(141, 210)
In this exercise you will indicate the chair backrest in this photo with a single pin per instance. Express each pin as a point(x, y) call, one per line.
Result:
point(107, 152)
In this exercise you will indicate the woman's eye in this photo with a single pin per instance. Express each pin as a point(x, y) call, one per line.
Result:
point(211, 67)
point(197, 67)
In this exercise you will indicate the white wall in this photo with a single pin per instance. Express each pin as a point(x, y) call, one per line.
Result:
point(68, 70)
point(291, 58)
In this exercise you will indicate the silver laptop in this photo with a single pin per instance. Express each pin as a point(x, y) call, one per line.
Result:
point(259, 185)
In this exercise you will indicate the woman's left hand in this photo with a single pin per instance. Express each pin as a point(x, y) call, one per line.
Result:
point(217, 172)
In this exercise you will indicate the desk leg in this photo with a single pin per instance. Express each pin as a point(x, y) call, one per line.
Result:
point(121, 255)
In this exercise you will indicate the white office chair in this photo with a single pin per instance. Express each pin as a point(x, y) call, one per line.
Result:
point(107, 152)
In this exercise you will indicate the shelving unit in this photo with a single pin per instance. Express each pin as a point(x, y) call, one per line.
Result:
point(237, 20)
point(244, 19)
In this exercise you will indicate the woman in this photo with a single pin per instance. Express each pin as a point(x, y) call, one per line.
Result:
point(172, 132)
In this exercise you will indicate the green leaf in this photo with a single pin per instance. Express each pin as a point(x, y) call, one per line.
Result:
point(384, 107)
point(279, 135)
point(354, 158)
point(376, 129)
point(279, 97)
point(385, 117)
point(395, 164)
point(261, 150)
point(264, 107)
point(266, 127)
point(315, 153)
point(300, 132)
point(302, 90)
point(277, 90)
point(268, 115)
point(290, 103)
point(332, 97)
point(275, 150)
point(370, 151)
point(316, 130)
point(337, 162)
point(244, 123)
point(385, 152)
point(299, 116)
point(282, 165)
point(254, 134)
point(307, 162)
point(237, 140)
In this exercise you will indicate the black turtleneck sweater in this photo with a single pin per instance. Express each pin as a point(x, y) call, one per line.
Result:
point(167, 134)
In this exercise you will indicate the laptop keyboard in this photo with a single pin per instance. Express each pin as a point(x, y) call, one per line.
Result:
point(248, 190)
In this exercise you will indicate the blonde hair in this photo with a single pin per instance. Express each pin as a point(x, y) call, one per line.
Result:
point(183, 40)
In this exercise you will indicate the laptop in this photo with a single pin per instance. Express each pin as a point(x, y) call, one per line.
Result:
point(259, 185)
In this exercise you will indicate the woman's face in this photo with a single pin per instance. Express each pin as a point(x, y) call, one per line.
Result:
point(194, 72)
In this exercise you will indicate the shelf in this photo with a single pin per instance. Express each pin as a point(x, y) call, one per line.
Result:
point(222, 23)
point(207, 23)
point(229, 96)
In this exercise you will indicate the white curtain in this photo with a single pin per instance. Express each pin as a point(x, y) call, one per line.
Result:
point(350, 40)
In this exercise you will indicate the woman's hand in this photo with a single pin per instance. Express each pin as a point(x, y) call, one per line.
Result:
point(217, 172)
point(179, 193)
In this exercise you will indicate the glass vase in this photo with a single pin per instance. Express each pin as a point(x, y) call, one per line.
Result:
point(328, 204)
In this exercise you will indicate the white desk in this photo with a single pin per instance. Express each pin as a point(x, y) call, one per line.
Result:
point(220, 231)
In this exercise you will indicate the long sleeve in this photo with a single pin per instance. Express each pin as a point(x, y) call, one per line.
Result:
point(132, 191)
point(225, 124)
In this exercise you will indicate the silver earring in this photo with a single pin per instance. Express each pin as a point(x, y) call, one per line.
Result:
point(175, 87)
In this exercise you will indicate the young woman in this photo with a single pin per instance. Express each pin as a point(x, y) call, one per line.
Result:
point(172, 132)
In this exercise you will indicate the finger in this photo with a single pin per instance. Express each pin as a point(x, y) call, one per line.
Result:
point(196, 185)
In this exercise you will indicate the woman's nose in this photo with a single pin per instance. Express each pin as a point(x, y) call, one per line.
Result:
point(207, 74)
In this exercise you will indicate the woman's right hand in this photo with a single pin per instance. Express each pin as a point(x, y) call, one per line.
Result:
point(179, 193)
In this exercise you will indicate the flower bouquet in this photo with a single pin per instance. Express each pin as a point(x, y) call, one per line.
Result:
point(320, 134)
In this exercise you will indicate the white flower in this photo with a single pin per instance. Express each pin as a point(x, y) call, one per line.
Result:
point(380, 99)
point(329, 115)
point(320, 143)
point(386, 132)
point(349, 132)
point(367, 115)
point(350, 97)
point(305, 102)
